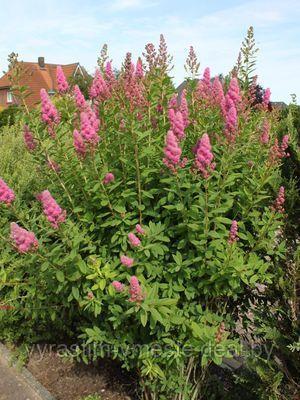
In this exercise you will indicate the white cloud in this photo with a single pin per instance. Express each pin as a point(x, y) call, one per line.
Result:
point(121, 5)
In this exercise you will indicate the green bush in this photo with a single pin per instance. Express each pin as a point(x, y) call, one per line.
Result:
point(209, 234)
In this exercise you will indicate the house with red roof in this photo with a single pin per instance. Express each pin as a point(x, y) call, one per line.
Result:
point(35, 76)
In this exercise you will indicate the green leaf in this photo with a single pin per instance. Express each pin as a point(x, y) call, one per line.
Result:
point(75, 292)
point(60, 276)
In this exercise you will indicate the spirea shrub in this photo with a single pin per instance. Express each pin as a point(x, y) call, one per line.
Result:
point(159, 213)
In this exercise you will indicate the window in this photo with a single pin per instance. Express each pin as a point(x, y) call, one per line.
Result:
point(9, 98)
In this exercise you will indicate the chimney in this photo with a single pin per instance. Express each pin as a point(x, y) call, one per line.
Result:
point(41, 62)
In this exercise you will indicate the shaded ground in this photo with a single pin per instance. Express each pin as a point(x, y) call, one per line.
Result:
point(68, 380)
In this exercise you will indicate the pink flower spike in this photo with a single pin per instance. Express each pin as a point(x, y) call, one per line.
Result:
point(134, 240)
point(233, 233)
point(234, 92)
point(204, 156)
point(99, 87)
point(217, 92)
point(7, 195)
point(29, 140)
point(177, 123)
point(265, 136)
point(79, 144)
point(49, 113)
point(24, 241)
point(79, 98)
point(62, 83)
point(279, 202)
point(89, 125)
point(119, 287)
point(54, 214)
point(139, 73)
point(172, 152)
point(135, 290)
point(139, 229)
point(231, 124)
point(127, 261)
point(109, 177)
point(266, 99)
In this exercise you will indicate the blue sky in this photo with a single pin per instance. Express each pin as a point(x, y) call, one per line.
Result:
point(66, 31)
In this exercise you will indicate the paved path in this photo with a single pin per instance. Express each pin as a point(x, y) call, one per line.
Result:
point(16, 384)
point(12, 386)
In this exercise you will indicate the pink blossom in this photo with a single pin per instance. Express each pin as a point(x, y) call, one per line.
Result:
point(184, 109)
point(277, 151)
point(172, 152)
point(109, 74)
point(119, 287)
point(265, 136)
point(7, 195)
point(279, 202)
point(79, 98)
point(204, 85)
point(90, 295)
point(49, 113)
point(62, 83)
point(233, 233)
point(99, 87)
point(79, 144)
point(177, 123)
point(24, 241)
point(109, 177)
point(135, 290)
point(231, 124)
point(204, 156)
point(134, 240)
point(54, 214)
point(30, 141)
point(139, 229)
point(88, 124)
point(217, 92)
point(266, 98)
point(234, 92)
point(127, 261)
point(173, 102)
point(139, 73)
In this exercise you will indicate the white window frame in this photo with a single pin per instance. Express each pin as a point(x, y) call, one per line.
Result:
point(9, 97)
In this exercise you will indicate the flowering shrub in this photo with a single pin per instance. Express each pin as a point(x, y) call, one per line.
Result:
point(161, 217)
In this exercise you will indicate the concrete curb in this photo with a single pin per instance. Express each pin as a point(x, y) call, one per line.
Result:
point(25, 375)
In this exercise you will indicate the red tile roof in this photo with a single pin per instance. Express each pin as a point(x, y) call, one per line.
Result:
point(36, 78)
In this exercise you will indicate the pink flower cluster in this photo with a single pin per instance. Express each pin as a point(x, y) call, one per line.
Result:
point(233, 92)
point(53, 212)
point(233, 233)
point(127, 261)
point(24, 241)
point(139, 229)
point(109, 177)
point(265, 136)
point(119, 287)
point(99, 87)
point(133, 240)
point(172, 152)
point(29, 140)
point(266, 99)
point(62, 83)
point(139, 73)
point(204, 156)
point(7, 195)
point(49, 113)
point(231, 123)
point(277, 151)
point(279, 202)
point(217, 92)
point(135, 290)
point(79, 98)
point(79, 144)
point(204, 85)
point(177, 123)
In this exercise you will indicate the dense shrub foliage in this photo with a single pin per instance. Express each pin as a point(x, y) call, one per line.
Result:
point(156, 221)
